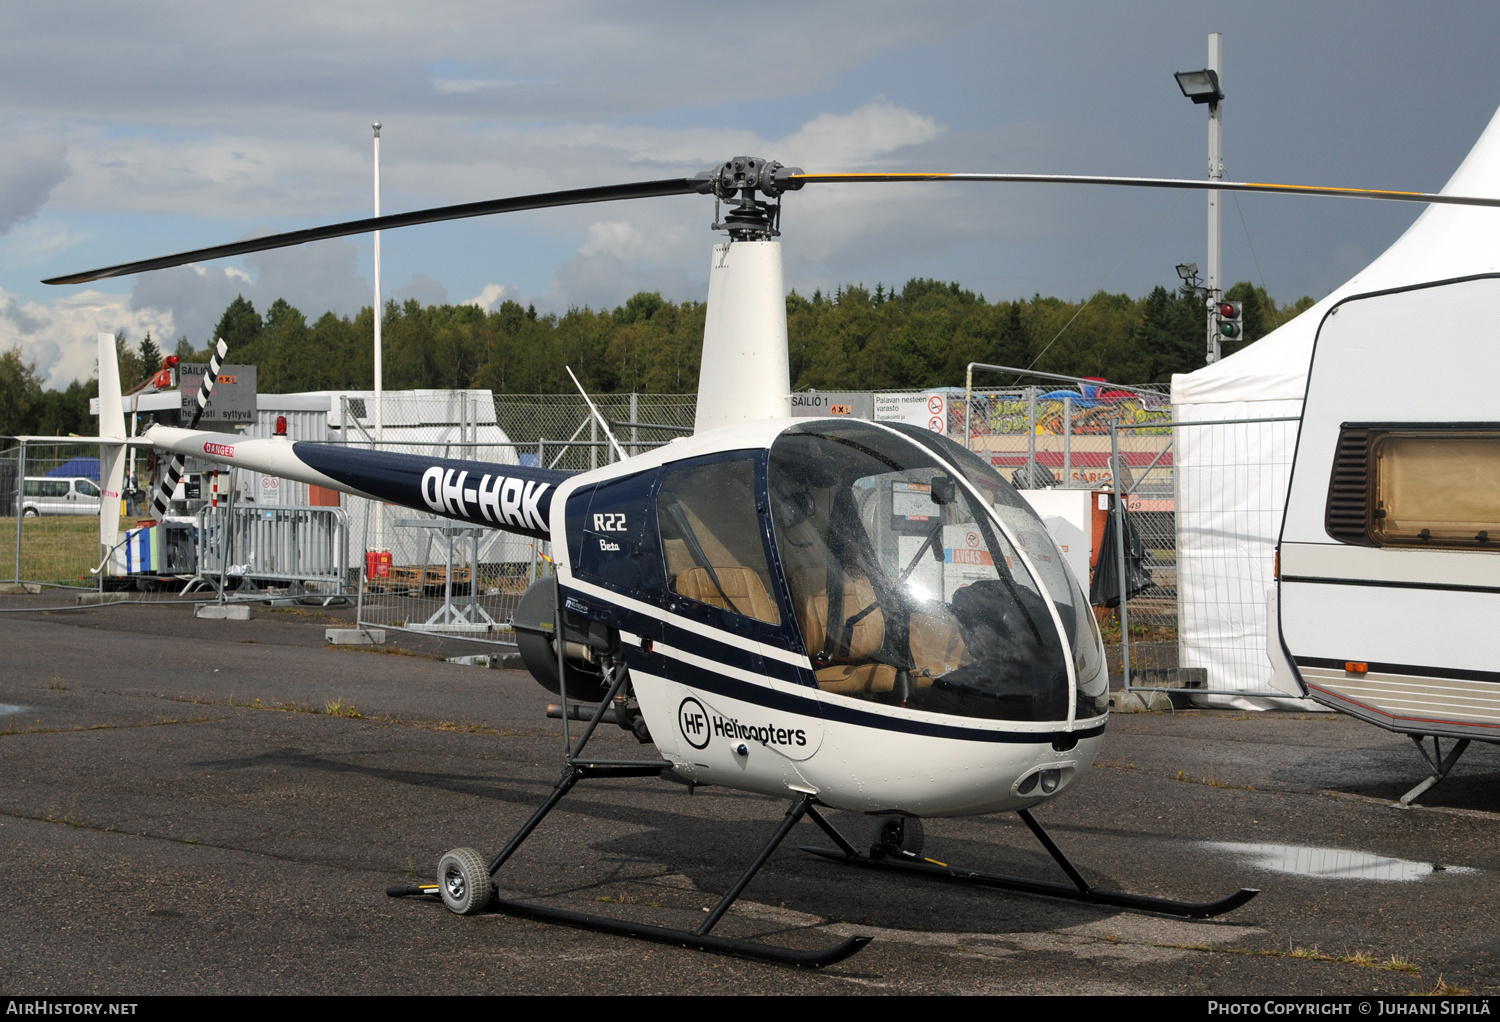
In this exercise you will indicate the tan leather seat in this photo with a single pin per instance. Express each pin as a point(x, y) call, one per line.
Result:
point(937, 645)
point(810, 589)
point(856, 679)
point(743, 586)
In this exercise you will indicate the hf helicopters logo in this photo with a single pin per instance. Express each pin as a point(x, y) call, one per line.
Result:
point(700, 725)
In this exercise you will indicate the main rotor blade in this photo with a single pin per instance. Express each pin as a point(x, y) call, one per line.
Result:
point(542, 200)
point(1198, 184)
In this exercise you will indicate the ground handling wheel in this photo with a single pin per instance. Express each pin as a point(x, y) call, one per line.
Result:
point(464, 881)
point(898, 836)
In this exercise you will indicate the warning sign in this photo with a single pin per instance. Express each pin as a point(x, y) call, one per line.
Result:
point(928, 409)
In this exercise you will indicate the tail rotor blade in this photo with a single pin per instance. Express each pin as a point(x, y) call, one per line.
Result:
point(173, 474)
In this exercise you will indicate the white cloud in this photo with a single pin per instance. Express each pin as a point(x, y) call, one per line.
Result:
point(491, 296)
point(854, 140)
point(61, 338)
point(618, 238)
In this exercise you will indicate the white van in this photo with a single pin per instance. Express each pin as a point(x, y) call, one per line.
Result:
point(59, 495)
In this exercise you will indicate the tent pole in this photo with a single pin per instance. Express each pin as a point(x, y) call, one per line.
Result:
point(1120, 498)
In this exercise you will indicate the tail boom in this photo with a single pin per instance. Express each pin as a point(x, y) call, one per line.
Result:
point(511, 498)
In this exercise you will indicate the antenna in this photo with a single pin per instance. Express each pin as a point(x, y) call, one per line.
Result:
point(601, 420)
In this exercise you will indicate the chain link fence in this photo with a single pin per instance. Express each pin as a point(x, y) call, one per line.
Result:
point(50, 496)
point(1039, 438)
point(423, 573)
point(1203, 502)
point(1202, 520)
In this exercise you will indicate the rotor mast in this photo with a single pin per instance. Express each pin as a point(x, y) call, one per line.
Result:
point(745, 372)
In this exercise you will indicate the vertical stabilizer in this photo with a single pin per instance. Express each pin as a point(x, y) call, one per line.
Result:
point(745, 373)
point(111, 455)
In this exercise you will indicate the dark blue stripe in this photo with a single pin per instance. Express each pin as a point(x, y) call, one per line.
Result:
point(663, 626)
point(726, 651)
point(831, 710)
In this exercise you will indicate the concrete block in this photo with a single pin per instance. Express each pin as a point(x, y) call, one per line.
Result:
point(222, 612)
point(89, 599)
point(20, 589)
point(355, 636)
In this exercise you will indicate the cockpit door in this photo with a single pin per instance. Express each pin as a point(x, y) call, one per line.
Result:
point(730, 642)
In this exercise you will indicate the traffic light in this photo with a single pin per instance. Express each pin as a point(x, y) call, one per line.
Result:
point(1231, 320)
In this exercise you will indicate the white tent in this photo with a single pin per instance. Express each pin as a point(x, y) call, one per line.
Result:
point(1232, 480)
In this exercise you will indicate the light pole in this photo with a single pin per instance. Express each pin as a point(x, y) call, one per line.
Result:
point(379, 383)
point(1206, 86)
point(379, 387)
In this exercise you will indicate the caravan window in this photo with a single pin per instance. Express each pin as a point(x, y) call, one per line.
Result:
point(1438, 488)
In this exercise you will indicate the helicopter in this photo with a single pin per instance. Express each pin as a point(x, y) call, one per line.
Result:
point(845, 614)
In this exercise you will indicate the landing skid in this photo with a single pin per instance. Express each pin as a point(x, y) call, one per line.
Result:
point(697, 940)
point(466, 885)
point(1440, 765)
point(1080, 890)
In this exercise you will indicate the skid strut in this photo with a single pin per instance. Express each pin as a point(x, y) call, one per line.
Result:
point(701, 939)
point(1079, 890)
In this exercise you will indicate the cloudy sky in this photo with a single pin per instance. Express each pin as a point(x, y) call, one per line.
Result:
point(151, 127)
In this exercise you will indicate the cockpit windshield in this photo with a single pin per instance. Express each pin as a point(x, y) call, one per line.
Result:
point(1065, 588)
point(904, 588)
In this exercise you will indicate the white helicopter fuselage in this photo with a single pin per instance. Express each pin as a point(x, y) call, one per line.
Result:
point(740, 703)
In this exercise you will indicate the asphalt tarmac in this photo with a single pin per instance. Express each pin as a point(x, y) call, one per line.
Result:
point(180, 812)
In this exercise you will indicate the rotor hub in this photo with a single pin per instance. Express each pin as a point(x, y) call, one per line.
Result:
point(738, 182)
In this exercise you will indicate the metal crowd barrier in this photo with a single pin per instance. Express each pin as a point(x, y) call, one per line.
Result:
point(302, 549)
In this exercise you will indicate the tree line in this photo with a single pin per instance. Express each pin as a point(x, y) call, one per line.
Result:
point(854, 338)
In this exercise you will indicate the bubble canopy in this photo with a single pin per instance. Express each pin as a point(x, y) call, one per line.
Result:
point(920, 578)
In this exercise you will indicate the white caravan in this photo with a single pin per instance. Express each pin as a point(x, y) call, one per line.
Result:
point(1390, 549)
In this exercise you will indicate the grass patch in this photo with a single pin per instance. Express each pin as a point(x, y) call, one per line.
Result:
point(337, 708)
point(1109, 631)
point(58, 548)
point(304, 613)
point(1212, 782)
point(626, 899)
point(1361, 959)
point(56, 684)
point(389, 651)
point(42, 729)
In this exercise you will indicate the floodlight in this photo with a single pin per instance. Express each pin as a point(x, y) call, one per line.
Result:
point(1200, 86)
